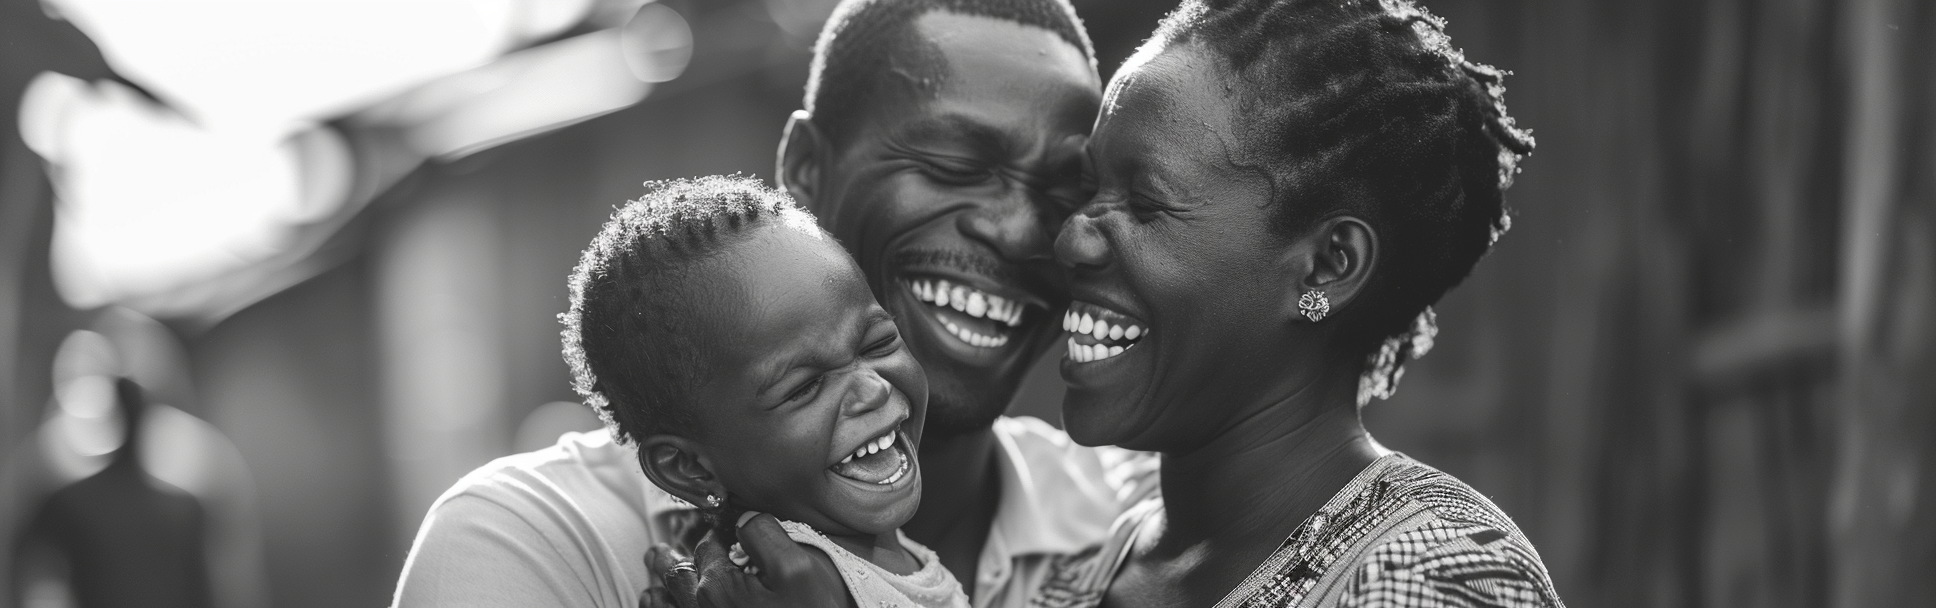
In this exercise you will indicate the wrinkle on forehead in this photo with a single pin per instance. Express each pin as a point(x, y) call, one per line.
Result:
point(942, 38)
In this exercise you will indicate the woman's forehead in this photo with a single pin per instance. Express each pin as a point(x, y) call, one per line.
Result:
point(1181, 83)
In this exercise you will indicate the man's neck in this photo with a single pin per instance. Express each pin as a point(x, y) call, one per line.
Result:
point(960, 489)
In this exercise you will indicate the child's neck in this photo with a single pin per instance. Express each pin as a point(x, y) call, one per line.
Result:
point(883, 550)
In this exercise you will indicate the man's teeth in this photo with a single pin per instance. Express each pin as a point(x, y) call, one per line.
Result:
point(972, 338)
point(879, 443)
point(973, 302)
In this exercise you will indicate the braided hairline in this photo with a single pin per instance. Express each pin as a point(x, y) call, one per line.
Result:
point(619, 316)
point(1363, 104)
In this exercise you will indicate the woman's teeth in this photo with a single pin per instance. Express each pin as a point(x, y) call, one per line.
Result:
point(1089, 322)
point(973, 302)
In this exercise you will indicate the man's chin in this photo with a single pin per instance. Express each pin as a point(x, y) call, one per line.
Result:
point(953, 414)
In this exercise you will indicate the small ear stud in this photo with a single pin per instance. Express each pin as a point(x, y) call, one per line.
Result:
point(714, 501)
point(1314, 305)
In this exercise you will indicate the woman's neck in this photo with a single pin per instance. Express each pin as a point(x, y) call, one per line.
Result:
point(1266, 473)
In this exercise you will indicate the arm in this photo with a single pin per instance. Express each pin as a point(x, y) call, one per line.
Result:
point(475, 552)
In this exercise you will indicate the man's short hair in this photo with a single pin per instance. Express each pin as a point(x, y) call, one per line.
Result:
point(627, 335)
point(859, 38)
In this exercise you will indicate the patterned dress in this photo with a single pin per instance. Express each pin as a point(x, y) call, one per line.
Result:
point(1401, 534)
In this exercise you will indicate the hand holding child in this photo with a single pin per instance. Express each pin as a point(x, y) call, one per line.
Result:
point(789, 574)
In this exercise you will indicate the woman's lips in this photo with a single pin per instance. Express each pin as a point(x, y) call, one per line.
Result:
point(1097, 333)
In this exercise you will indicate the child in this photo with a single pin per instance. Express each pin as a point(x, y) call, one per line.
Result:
point(737, 346)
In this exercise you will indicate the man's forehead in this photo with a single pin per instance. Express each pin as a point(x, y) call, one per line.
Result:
point(958, 43)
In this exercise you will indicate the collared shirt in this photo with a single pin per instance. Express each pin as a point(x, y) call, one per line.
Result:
point(569, 525)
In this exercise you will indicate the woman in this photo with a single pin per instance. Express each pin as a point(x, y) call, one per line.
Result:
point(1284, 187)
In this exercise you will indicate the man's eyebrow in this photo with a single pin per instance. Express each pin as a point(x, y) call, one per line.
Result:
point(984, 139)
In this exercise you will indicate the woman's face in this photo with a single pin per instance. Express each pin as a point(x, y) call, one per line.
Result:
point(1176, 249)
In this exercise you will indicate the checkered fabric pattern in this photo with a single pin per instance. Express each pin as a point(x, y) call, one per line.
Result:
point(1405, 535)
point(1446, 564)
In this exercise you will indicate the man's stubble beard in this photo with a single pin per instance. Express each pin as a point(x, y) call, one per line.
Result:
point(954, 410)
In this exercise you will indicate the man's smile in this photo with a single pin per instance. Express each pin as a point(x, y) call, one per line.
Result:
point(980, 319)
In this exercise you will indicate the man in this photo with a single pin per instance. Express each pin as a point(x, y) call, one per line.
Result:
point(941, 143)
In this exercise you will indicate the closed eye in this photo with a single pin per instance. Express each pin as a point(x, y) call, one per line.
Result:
point(885, 346)
point(953, 172)
point(805, 391)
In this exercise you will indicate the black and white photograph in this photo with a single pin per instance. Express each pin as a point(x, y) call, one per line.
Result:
point(967, 303)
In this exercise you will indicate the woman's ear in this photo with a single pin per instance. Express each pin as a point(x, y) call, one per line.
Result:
point(675, 464)
point(802, 150)
point(1341, 254)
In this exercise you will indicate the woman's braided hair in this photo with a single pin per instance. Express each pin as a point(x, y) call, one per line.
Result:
point(1363, 107)
point(625, 334)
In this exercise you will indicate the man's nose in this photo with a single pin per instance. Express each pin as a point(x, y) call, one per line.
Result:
point(1009, 224)
point(1081, 246)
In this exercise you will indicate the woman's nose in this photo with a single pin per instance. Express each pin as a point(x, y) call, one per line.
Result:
point(1081, 244)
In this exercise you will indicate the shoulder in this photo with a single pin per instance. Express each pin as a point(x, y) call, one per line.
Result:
point(1130, 475)
point(568, 525)
point(1463, 551)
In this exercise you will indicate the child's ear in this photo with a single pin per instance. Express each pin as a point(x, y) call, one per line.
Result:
point(676, 465)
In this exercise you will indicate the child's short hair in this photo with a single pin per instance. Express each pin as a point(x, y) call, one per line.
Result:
point(625, 335)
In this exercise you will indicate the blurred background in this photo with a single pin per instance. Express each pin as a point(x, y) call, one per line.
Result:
point(328, 238)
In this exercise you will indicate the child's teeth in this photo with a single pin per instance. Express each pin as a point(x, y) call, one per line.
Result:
point(849, 458)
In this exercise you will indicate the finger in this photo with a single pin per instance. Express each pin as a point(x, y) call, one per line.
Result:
point(676, 571)
point(714, 562)
point(770, 549)
point(657, 597)
point(661, 557)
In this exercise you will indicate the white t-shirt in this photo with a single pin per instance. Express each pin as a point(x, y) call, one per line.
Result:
point(569, 525)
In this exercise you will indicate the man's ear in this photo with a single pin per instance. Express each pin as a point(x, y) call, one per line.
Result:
point(802, 150)
point(1340, 254)
point(675, 464)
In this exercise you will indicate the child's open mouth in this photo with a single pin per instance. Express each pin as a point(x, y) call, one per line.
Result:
point(881, 461)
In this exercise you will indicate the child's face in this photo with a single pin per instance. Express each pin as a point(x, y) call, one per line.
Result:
point(804, 370)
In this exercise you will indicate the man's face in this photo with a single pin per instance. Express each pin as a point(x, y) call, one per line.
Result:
point(948, 191)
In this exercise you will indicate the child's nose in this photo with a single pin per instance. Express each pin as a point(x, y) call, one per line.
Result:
point(867, 391)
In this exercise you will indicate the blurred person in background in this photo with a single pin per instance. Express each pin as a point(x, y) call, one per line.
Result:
point(120, 537)
point(941, 142)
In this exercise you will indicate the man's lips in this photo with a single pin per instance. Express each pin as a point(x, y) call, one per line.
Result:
point(975, 317)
